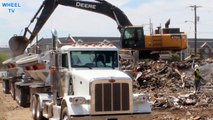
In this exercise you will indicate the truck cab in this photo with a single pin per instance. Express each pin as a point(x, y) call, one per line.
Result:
point(88, 84)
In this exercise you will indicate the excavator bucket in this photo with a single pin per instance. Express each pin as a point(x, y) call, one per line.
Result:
point(18, 44)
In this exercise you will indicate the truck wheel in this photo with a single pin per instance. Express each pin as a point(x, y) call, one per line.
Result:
point(65, 114)
point(34, 107)
point(22, 97)
point(39, 111)
point(6, 86)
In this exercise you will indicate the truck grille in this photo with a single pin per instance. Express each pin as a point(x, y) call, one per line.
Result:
point(112, 97)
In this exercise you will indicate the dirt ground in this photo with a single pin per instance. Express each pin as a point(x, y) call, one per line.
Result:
point(10, 110)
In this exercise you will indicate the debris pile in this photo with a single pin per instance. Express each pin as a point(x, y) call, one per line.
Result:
point(170, 85)
point(182, 100)
point(160, 74)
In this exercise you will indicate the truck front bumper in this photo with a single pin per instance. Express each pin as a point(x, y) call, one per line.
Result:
point(115, 117)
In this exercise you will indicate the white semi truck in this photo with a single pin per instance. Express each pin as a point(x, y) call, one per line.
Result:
point(76, 81)
point(79, 81)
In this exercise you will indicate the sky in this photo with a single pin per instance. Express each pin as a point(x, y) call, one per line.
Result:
point(76, 22)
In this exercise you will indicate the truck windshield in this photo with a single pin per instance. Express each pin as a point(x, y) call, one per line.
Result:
point(92, 59)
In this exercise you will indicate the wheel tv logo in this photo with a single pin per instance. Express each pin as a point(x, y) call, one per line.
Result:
point(11, 6)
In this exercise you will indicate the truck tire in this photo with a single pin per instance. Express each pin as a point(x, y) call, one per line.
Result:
point(22, 97)
point(34, 107)
point(6, 86)
point(64, 115)
point(39, 111)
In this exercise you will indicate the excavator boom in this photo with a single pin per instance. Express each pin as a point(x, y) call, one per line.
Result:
point(102, 7)
point(19, 43)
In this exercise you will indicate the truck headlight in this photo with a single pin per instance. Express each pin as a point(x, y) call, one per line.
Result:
point(78, 100)
point(140, 98)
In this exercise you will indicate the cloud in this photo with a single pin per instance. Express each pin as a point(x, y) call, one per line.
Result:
point(83, 23)
point(119, 3)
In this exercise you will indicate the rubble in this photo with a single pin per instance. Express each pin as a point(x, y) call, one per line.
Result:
point(170, 85)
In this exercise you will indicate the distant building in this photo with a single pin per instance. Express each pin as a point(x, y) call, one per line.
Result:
point(46, 43)
point(204, 46)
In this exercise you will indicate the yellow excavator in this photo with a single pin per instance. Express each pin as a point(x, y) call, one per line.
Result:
point(132, 37)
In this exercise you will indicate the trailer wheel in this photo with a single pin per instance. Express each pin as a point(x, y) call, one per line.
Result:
point(34, 107)
point(65, 114)
point(39, 111)
point(6, 86)
point(22, 97)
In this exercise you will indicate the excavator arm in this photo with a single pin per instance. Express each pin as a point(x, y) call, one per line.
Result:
point(132, 37)
point(19, 43)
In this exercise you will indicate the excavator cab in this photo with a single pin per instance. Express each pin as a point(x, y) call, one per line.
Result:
point(166, 39)
point(133, 38)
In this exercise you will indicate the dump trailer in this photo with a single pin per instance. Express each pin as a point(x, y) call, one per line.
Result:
point(14, 72)
point(18, 82)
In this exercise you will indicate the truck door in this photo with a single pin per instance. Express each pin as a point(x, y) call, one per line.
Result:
point(64, 78)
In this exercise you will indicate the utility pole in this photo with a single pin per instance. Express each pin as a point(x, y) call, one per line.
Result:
point(150, 27)
point(195, 24)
